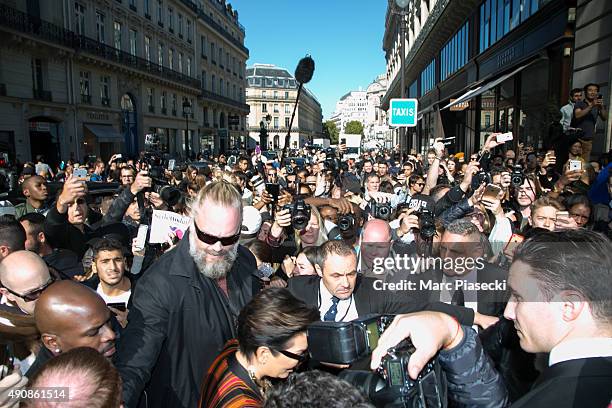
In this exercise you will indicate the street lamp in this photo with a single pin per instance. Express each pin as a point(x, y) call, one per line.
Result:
point(402, 13)
point(263, 132)
point(186, 112)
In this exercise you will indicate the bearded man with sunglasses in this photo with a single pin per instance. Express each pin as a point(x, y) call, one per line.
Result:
point(185, 306)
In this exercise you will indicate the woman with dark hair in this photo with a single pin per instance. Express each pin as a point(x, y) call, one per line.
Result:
point(580, 209)
point(271, 342)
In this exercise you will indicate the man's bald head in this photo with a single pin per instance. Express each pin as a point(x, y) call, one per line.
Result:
point(70, 315)
point(377, 230)
point(23, 272)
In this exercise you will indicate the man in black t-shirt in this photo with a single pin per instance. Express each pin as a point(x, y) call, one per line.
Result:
point(586, 113)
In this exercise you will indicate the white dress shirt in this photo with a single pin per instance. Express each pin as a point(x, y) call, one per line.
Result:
point(347, 310)
point(580, 348)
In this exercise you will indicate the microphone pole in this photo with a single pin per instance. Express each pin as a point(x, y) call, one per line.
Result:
point(303, 74)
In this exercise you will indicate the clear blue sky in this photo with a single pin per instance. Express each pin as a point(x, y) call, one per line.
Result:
point(344, 38)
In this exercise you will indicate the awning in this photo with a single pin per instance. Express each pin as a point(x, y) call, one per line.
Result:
point(428, 109)
point(472, 93)
point(105, 133)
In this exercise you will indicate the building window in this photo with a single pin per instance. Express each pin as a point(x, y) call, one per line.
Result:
point(174, 104)
point(240, 94)
point(189, 31)
point(428, 77)
point(79, 18)
point(227, 89)
point(275, 108)
point(147, 44)
point(133, 37)
point(212, 83)
point(133, 4)
point(203, 45)
point(160, 12)
point(234, 65)
point(117, 34)
point(454, 55)
point(160, 53)
point(100, 32)
point(234, 93)
point(84, 87)
point(162, 103)
point(171, 59)
point(203, 79)
point(212, 52)
point(227, 61)
point(263, 94)
point(286, 95)
point(180, 62)
point(188, 66)
point(498, 17)
point(220, 56)
point(221, 87)
point(105, 90)
point(37, 75)
point(264, 107)
point(150, 100)
point(147, 10)
point(180, 24)
point(287, 123)
point(170, 19)
point(287, 111)
point(275, 122)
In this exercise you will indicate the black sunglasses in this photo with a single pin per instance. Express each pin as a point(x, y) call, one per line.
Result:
point(211, 239)
point(33, 294)
point(299, 357)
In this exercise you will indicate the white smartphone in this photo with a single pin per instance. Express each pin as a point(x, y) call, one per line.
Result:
point(504, 137)
point(575, 165)
point(141, 238)
point(118, 156)
point(171, 164)
point(80, 173)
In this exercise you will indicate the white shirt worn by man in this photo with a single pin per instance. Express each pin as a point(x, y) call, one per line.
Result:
point(347, 310)
point(122, 298)
point(573, 349)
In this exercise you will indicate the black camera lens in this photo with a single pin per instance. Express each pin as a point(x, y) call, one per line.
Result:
point(345, 222)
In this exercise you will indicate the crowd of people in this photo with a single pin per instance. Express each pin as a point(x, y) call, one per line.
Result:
point(218, 316)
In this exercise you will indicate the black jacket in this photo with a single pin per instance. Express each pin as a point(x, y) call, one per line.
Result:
point(368, 300)
point(179, 321)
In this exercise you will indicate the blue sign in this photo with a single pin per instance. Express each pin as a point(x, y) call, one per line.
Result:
point(403, 112)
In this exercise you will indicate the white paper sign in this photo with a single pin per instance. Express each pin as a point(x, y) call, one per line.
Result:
point(165, 222)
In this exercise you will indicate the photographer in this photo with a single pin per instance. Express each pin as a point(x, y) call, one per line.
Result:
point(572, 325)
point(586, 114)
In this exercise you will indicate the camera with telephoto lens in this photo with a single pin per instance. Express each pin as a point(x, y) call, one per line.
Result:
point(481, 177)
point(346, 222)
point(169, 194)
point(381, 211)
point(289, 169)
point(427, 224)
point(517, 177)
point(300, 213)
point(390, 385)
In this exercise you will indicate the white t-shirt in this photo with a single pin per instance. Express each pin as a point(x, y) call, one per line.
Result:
point(122, 298)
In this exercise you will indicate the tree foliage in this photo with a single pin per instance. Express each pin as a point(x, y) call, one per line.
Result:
point(354, 127)
point(331, 131)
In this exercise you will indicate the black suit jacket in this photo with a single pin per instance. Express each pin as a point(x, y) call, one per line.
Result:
point(490, 302)
point(369, 300)
point(179, 322)
point(584, 383)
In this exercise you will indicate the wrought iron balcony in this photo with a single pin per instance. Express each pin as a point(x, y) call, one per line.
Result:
point(42, 95)
point(24, 23)
point(225, 100)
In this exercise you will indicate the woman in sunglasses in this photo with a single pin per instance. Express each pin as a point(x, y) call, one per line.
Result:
point(271, 343)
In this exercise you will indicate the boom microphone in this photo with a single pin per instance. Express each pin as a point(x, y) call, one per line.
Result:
point(305, 70)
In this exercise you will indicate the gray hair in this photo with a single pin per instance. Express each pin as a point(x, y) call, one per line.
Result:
point(219, 192)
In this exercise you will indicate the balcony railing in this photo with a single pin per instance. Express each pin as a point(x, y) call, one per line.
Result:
point(22, 22)
point(42, 95)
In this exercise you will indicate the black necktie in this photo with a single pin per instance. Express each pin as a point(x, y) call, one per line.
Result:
point(458, 298)
point(330, 315)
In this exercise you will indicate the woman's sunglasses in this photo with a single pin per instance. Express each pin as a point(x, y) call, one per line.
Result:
point(211, 239)
point(299, 357)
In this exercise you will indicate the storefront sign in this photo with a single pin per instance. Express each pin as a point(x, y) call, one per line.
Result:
point(98, 116)
point(460, 106)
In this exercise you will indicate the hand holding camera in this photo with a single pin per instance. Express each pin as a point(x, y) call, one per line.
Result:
point(408, 221)
point(141, 182)
point(428, 331)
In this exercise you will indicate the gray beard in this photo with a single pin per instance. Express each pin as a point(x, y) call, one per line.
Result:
point(216, 270)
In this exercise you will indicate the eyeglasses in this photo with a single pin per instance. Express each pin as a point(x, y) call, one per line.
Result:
point(420, 184)
point(211, 239)
point(299, 357)
point(33, 294)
